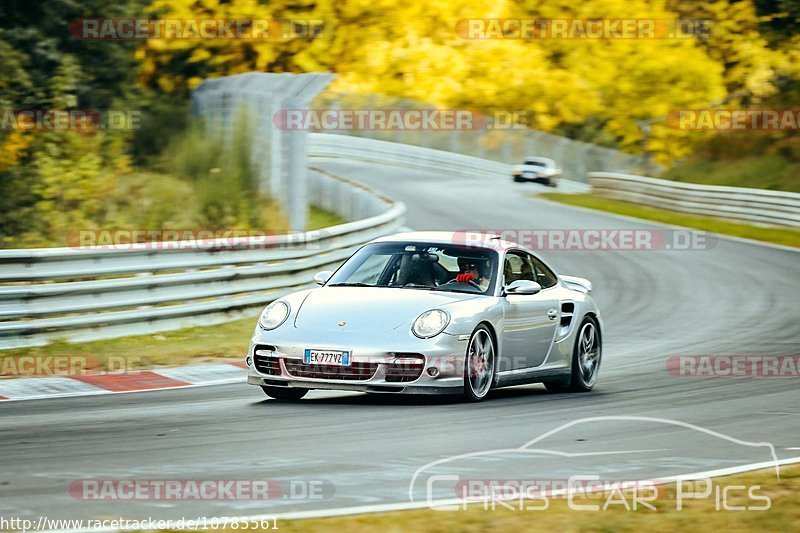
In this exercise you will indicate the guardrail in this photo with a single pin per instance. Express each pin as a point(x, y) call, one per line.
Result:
point(749, 205)
point(387, 152)
point(101, 292)
point(326, 145)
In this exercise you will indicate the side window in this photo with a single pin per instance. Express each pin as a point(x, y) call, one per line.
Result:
point(517, 266)
point(544, 276)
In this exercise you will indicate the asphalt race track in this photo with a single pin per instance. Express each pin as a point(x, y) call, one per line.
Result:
point(735, 298)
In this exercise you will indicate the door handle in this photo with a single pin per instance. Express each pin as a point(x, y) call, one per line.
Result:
point(552, 314)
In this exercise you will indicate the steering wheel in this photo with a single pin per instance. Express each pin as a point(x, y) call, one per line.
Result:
point(471, 282)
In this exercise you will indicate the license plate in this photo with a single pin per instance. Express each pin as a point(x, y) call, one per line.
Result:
point(326, 357)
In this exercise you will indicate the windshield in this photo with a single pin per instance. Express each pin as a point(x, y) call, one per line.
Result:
point(406, 265)
point(534, 162)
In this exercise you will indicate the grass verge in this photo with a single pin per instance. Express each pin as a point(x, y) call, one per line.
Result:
point(319, 218)
point(696, 514)
point(784, 236)
point(760, 172)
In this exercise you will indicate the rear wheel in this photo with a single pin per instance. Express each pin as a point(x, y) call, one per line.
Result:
point(284, 393)
point(479, 365)
point(585, 360)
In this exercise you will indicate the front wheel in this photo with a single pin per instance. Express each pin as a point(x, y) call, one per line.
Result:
point(283, 393)
point(479, 365)
point(585, 360)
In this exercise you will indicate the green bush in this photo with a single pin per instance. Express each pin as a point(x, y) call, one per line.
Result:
point(163, 118)
point(67, 181)
point(223, 177)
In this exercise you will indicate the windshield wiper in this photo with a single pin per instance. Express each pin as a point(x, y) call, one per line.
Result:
point(351, 285)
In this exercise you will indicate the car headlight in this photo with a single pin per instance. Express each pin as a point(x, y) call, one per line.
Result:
point(274, 315)
point(430, 323)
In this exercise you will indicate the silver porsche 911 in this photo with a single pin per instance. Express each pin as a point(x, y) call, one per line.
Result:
point(430, 313)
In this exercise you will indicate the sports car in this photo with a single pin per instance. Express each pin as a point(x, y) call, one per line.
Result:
point(537, 169)
point(430, 313)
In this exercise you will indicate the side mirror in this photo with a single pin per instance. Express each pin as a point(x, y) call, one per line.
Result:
point(320, 278)
point(523, 286)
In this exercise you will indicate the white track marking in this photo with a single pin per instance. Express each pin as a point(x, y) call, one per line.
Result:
point(407, 506)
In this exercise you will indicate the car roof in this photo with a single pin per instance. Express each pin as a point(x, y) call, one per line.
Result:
point(475, 238)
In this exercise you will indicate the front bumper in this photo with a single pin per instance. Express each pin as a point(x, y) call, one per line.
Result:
point(280, 360)
point(392, 388)
point(544, 180)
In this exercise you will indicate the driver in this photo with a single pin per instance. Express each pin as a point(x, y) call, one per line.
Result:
point(472, 272)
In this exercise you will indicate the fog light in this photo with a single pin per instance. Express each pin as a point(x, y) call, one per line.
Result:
point(248, 361)
point(433, 371)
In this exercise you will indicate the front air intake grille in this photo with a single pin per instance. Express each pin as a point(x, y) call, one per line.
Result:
point(407, 367)
point(357, 371)
point(266, 363)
